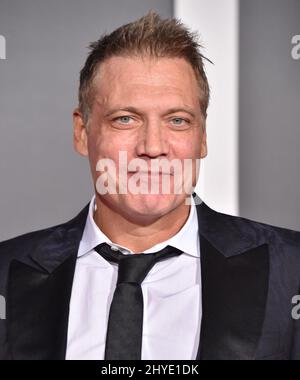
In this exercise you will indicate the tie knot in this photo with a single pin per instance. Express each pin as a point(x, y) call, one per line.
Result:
point(134, 268)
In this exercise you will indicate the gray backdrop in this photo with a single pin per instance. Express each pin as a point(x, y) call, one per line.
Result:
point(269, 127)
point(43, 182)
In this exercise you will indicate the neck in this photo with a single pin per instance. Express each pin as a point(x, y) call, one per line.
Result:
point(139, 236)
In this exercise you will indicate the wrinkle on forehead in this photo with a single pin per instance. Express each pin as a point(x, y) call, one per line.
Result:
point(135, 77)
point(155, 72)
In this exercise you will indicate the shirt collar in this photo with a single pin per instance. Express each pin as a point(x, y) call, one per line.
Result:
point(186, 239)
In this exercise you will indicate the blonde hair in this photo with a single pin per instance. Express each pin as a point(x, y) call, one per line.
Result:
point(148, 36)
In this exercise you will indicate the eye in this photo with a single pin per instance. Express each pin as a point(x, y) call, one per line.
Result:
point(179, 121)
point(124, 119)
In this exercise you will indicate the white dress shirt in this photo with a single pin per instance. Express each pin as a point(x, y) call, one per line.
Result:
point(171, 292)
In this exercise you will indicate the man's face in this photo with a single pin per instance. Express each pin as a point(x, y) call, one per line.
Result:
point(148, 108)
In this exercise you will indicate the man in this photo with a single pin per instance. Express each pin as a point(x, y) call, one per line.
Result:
point(215, 286)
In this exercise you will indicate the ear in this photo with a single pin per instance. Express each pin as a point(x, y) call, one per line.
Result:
point(203, 148)
point(79, 133)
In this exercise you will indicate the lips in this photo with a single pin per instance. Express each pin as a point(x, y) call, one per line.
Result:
point(151, 173)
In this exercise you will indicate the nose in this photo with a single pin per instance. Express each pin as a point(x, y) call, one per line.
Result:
point(152, 140)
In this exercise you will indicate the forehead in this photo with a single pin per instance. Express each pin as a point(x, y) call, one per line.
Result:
point(130, 76)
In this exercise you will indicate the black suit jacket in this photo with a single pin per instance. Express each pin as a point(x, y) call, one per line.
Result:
point(250, 272)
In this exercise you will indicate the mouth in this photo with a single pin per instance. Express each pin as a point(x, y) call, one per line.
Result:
point(149, 173)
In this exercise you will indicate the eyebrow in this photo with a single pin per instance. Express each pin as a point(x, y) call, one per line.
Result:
point(127, 109)
point(136, 111)
point(185, 109)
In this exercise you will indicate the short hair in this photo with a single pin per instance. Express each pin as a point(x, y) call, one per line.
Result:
point(148, 36)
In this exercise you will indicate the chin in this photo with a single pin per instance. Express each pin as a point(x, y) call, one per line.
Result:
point(152, 205)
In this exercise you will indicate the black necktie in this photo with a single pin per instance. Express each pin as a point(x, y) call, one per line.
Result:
point(125, 323)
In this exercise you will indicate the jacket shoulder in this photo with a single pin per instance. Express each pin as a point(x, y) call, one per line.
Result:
point(285, 234)
point(269, 231)
point(21, 246)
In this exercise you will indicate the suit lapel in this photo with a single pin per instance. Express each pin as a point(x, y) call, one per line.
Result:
point(39, 292)
point(235, 277)
point(234, 293)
